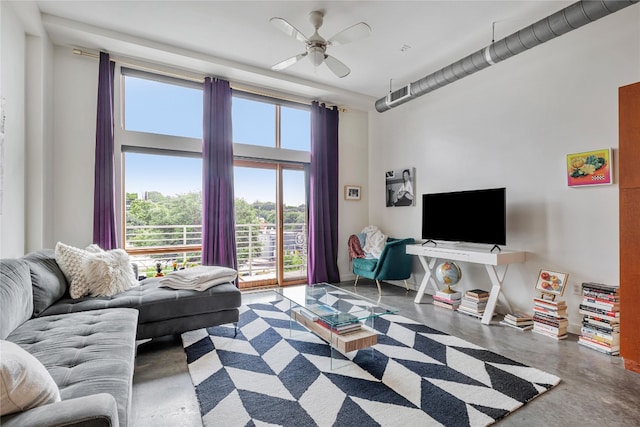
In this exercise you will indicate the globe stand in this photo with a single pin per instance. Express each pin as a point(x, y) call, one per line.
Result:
point(448, 290)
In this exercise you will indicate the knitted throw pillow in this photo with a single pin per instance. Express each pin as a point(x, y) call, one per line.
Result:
point(70, 260)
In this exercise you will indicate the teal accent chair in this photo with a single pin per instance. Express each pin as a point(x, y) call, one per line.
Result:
point(394, 263)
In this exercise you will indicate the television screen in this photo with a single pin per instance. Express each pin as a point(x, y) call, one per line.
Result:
point(476, 216)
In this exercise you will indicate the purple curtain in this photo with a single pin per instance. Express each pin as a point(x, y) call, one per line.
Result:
point(104, 211)
point(218, 213)
point(323, 203)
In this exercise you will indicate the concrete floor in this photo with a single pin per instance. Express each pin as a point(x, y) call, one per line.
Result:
point(595, 389)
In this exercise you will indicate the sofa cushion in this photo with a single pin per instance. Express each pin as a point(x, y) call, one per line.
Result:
point(24, 382)
point(108, 272)
point(48, 281)
point(70, 260)
point(157, 303)
point(85, 353)
point(16, 296)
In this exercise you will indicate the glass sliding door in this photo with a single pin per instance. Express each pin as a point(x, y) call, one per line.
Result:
point(255, 202)
point(294, 226)
point(271, 223)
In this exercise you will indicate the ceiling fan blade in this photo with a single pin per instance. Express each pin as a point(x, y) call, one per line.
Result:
point(288, 29)
point(351, 34)
point(288, 62)
point(337, 67)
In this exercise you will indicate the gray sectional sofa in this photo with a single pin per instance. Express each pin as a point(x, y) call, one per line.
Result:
point(88, 345)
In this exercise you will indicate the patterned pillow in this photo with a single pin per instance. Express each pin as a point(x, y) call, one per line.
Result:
point(108, 272)
point(94, 271)
point(24, 382)
point(70, 261)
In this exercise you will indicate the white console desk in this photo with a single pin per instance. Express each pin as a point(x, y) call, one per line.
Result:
point(429, 255)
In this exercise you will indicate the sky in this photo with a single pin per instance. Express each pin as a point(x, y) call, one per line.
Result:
point(161, 108)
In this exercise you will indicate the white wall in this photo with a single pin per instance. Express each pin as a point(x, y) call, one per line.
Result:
point(27, 77)
point(75, 106)
point(12, 145)
point(512, 125)
point(39, 143)
point(354, 167)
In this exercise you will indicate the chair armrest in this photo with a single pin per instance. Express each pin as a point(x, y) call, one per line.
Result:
point(394, 262)
point(96, 410)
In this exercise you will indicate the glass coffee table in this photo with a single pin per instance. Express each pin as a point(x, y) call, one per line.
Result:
point(343, 319)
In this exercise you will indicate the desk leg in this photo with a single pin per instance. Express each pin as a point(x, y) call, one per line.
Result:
point(428, 268)
point(496, 281)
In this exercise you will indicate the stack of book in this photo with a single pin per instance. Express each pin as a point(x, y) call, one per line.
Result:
point(473, 302)
point(600, 309)
point(550, 318)
point(520, 321)
point(328, 316)
point(446, 300)
point(341, 329)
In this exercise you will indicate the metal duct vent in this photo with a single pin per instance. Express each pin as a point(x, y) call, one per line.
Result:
point(561, 22)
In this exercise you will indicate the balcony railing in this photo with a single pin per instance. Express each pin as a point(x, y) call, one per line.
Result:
point(179, 246)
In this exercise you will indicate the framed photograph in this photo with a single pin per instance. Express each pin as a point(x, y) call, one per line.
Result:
point(590, 168)
point(552, 282)
point(352, 192)
point(399, 187)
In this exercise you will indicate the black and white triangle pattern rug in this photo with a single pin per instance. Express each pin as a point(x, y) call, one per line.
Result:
point(270, 375)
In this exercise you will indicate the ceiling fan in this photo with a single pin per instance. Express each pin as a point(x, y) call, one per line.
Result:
point(316, 45)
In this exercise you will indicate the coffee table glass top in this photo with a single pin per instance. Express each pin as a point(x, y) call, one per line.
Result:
point(334, 305)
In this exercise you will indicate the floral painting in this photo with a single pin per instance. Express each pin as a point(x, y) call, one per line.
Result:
point(589, 168)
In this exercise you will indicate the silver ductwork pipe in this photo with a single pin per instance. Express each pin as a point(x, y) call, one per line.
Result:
point(561, 22)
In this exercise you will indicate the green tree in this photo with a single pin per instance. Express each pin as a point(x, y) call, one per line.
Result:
point(139, 212)
point(185, 209)
point(245, 213)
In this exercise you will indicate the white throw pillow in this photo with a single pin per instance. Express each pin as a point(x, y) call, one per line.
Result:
point(24, 382)
point(70, 261)
point(108, 272)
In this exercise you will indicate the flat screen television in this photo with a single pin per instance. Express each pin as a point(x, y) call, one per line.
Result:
point(475, 216)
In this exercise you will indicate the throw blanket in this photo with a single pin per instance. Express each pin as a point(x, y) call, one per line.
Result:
point(355, 250)
point(199, 278)
point(375, 241)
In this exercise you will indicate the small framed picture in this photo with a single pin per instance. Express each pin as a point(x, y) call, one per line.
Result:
point(552, 282)
point(589, 168)
point(352, 192)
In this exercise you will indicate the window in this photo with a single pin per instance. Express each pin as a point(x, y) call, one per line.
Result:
point(253, 122)
point(162, 108)
point(295, 125)
point(161, 170)
point(271, 192)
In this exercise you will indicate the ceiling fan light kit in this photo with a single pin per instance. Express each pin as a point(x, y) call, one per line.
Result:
point(316, 45)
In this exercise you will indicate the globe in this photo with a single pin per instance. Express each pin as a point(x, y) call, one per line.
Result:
point(448, 273)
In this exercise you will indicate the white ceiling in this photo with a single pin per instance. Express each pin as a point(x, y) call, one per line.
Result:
point(234, 39)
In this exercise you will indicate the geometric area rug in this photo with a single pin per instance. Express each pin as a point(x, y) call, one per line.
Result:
point(271, 375)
